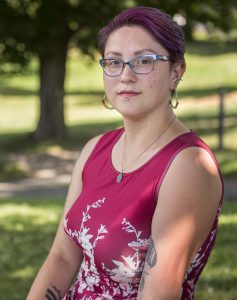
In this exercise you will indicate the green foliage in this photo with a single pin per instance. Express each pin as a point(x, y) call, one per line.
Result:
point(38, 26)
point(209, 13)
point(28, 226)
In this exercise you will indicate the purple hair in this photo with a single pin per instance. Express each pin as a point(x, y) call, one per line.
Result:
point(159, 24)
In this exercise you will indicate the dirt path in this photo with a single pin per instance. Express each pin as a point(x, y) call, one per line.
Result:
point(50, 176)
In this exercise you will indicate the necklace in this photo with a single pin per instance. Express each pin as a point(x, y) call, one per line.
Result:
point(120, 175)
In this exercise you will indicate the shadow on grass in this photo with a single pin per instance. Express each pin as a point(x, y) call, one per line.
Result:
point(227, 161)
point(79, 134)
point(205, 92)
point(209, 48)
point(205, 125)
point(196, 93)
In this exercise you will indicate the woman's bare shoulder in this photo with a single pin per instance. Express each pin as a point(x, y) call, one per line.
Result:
point(195, 161)
point(87, 150)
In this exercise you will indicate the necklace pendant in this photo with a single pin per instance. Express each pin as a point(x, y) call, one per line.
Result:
point(119, 177)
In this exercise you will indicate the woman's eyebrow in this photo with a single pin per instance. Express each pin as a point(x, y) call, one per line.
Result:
point(142, 51)
point(138, 52)
point(114, 53)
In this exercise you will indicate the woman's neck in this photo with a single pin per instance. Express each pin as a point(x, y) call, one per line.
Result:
point(143, 131)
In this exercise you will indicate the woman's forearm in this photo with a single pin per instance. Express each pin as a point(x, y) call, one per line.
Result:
point(167, 296)
point(53, 279)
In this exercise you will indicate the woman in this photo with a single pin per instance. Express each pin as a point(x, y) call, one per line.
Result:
point(144, 200)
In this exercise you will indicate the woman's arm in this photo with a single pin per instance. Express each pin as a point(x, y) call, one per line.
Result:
point(64, 259)
point(187, 205)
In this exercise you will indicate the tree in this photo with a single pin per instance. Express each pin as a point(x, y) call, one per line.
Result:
point(45, 28)
point(215, 14)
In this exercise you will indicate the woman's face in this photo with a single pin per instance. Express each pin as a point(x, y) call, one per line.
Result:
point(135, 95)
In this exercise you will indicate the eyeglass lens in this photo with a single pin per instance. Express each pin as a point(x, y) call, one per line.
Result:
point(140, 65)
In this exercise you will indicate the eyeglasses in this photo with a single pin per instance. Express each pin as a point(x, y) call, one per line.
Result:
point(140, 65)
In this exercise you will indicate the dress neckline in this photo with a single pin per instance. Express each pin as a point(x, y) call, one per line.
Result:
point(118, 136)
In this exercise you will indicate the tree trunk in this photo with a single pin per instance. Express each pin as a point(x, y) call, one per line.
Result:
point(51, 123)
point(188, 30)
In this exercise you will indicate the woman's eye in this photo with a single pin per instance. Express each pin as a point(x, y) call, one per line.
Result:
point(145, 61)
point(114, 62)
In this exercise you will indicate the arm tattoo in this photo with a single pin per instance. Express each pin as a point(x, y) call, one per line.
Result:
point(142, 281)
point(151, 259)
point(53, 293)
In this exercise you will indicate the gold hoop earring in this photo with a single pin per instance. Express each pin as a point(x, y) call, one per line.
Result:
point(103, 101)
point(175, 94)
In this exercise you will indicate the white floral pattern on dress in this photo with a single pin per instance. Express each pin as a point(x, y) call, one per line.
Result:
point(131, 265)
point(197, 265)
point(85, 239)
point(123, 280)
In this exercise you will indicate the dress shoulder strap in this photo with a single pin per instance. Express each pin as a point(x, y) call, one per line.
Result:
point(103, 147)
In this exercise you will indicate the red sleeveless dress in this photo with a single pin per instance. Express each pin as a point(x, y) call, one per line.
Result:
point(111, 222)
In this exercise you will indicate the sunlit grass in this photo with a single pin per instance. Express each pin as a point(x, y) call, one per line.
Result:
point(18, 113)
point(210, 71)
point(27, 228)
point(90, 113)
point(15, 212)
point(26, 272)
point(229, 219)
point(83, 74)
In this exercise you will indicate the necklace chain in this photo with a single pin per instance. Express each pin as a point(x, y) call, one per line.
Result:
point(120, 175)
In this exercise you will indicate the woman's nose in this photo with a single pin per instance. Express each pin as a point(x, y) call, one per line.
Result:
point(128, 74)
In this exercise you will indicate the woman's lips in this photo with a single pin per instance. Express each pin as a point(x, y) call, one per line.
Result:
point(128, 93)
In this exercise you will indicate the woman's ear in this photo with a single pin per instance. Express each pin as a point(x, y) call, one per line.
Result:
point(177, 71)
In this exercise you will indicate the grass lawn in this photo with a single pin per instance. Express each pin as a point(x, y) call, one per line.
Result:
point(27, 228)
